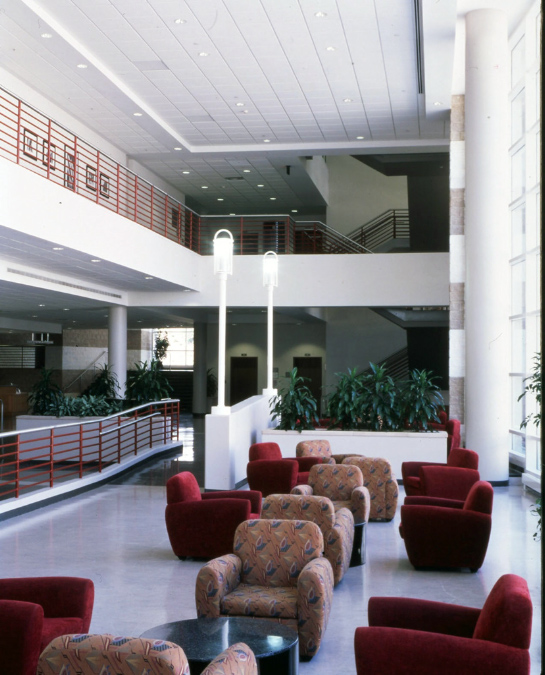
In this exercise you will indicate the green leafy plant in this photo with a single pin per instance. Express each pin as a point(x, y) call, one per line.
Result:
point(83, 406)
point(421, 399)
point(104, 384)
point(536, 511)
point(147, 382)
point(43, 393)
point(161, 346)
point(379, 400)
point(533, 386)
point(343, 405)
point(211, 383)
point(295, 407)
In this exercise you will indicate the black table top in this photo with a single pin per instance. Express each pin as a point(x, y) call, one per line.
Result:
point(203, 639)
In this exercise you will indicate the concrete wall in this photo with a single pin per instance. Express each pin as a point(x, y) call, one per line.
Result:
point(357, 193)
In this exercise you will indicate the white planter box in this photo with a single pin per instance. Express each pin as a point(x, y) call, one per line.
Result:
point(395, 446)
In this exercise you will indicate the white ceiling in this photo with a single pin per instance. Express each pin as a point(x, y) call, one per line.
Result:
point(215, 79)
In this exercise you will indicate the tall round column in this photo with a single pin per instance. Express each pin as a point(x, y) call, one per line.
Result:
point(117, 346)
point(487, 287)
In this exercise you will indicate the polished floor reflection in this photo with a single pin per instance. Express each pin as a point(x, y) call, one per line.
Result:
point(116, 536)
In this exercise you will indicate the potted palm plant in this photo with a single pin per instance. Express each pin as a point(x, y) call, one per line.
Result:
point(295, 407)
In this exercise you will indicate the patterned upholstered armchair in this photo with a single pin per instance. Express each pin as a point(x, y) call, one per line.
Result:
point(321, 449)
point(381, 483)
point(337, 528)
point(91, 654)
point(276, 572)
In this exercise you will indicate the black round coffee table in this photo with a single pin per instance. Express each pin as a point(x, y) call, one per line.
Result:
point(275, 646)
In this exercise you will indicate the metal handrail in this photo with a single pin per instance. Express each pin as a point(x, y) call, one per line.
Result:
point(128, 424)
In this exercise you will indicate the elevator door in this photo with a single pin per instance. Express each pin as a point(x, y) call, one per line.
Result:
point(243, 378)
point(311, 367)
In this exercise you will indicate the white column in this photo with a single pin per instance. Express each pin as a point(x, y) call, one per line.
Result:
point(199, 369)
point(487, 288)
point(117, 346)
point(270, 391)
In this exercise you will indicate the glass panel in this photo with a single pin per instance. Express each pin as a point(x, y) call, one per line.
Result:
point(517, 62)
point(518, 287)
point(518, 231)
point(518, 445)
point(517, 116)
point(518, 173)
point(518, 337)
point(180, 353)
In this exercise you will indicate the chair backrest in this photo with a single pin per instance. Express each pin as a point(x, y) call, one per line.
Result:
point(336, 481)
point(443, 417)
point(314, 449)
point(264, 451)
point(463, 458)
point(238, 659)
point(319, 510)
point(91, 654)
point(379, 479)
point(506, 616)
point(274, 552)
point(452, 427)
point(183, 487)
point(480, 498)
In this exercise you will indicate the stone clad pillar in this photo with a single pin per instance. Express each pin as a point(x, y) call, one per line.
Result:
point(487, 275)
point(117, 346)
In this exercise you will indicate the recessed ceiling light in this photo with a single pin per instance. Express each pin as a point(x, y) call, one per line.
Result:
point(58, 248)
point(320, 15)
point(244, 112)
point(179, 21)
point(82, 66)
point(46, 35)
point(245, 170)
point(148, 277)
point(240, 104)
point(95, 260)
point(41, 305)
point(66, 309)
point(438, 103)
point(177, 148)
point(330, 49)
point(272, 198)
point(294, 210)
point(360, 138)
point(260, 185)
point(220, 199)
point(34, 316)
point(203, 53)
point(139, 321)
point(347, 100)
point(204, 187)
point(185, 172)
point(137, 114)
point(266, 140)
point(232, 214)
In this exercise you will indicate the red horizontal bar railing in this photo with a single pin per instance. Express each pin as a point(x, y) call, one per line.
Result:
point(45, 147)
point(44, 457)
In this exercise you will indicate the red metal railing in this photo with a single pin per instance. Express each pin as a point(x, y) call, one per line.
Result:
point(45, 457)
point(45, 147)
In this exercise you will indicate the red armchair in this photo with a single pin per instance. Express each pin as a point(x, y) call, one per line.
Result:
point(448, 533)
point(203, 525)
point(423, 637)
point(270, 473)
point(34, 611)
point(419, 480)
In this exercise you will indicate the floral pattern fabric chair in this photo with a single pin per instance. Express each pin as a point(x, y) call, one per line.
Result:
point(341, 483)
point(318, 448)
point(381, 483)
point(93, 654)
point(277, 572)
point(337, 527)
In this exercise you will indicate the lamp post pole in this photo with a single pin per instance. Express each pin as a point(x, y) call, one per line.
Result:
point(223, 266)
point(270, 280)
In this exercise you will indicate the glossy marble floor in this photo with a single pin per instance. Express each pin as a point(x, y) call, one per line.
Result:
point(116, 536)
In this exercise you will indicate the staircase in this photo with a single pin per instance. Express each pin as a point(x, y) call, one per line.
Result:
point(397, 364)
point(385, 232)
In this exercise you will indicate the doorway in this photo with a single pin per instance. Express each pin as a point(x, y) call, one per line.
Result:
point(243, 378)
point(311, 367)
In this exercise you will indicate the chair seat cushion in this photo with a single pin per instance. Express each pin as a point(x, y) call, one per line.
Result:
point(255, 516)
point(263, 601)
point(342, 505)
point(53, 627)
point(302, 477)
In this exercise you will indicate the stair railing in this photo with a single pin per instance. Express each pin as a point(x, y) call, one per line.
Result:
point(91, 365)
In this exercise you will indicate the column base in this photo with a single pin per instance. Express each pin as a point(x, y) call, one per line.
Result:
point(220, 410)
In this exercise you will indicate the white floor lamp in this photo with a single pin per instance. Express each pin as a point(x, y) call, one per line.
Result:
point(223, 266)
point(270, 280)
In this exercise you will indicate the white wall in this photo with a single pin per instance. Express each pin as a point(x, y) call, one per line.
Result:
point(357, 193)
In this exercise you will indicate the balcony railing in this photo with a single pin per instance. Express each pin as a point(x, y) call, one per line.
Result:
point(44, 457)
point(390, 225)
point(41, 145)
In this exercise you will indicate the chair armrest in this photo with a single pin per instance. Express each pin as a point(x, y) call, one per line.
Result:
point(314, 598)
point(433, 501)
point(59, 596)
point(401, 651)
point(338, 542)
point(360, 504)
point(305, 463)
point(215, 580)
point(412, 468)
point(253, 496)
point(239, 654)
point(21, 626)
point(449, 482)
point(302, 490)
point(423, 615)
